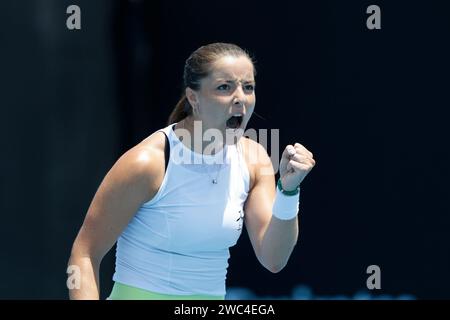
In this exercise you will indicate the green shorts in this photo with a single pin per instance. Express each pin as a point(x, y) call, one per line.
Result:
point(122, 291)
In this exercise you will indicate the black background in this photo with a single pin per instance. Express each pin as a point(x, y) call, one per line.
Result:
point(370, 104)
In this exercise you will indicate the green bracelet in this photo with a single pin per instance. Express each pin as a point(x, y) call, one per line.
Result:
point(288, 193)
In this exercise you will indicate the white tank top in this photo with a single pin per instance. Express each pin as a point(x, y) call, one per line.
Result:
point(178, 242)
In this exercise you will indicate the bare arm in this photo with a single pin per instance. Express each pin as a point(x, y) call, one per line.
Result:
point(133, 180)
point(273, 239)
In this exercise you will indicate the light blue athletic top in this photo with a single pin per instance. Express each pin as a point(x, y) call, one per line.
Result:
point(178, 242)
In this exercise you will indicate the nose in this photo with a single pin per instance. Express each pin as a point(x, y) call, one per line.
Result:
point(239, 106)
point(238, 102)
point(239, 97)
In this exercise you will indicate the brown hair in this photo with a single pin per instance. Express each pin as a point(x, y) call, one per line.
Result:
point(197, 67)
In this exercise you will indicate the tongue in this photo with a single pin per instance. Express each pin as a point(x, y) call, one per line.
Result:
point(233, 122)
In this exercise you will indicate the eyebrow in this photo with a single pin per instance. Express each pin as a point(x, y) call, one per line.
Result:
point(233, 81)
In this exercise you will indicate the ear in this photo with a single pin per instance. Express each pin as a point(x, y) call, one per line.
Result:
point(191, 95)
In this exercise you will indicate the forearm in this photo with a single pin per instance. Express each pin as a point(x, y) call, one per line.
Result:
point(281, 234)
point(87, 286)
point(278, 242)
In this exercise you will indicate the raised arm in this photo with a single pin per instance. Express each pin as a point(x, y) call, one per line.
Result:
point(133, 180)
point(273, 238)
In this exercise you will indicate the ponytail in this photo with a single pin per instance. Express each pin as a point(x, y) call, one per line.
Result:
point(181, 110)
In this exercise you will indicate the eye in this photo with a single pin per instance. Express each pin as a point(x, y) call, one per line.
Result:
point(223, 87)
point(249, 87)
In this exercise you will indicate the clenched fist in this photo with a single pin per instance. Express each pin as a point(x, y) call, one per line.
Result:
point(296, 163)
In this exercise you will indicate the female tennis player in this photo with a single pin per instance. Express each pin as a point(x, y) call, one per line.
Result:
point(176, 202)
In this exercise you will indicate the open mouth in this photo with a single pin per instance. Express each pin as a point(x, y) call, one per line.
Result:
point(235, 121)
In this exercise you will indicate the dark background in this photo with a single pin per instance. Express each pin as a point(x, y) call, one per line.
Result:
point(371, 106)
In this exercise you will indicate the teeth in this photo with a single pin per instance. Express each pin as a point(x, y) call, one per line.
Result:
point(235, 121)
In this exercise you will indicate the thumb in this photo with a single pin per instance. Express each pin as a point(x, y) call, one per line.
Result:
point(288, 152)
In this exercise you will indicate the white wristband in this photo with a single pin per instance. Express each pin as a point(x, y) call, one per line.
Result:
point(285, 207)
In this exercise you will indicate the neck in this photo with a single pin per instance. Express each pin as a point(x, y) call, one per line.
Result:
point(200, 143)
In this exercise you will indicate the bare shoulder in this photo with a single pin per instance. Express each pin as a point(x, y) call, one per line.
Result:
point(133, 180)
point(257, 159)
point(143, 164)
point(156, 141)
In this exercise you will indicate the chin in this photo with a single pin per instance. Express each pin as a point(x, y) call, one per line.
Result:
point(232, 135)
